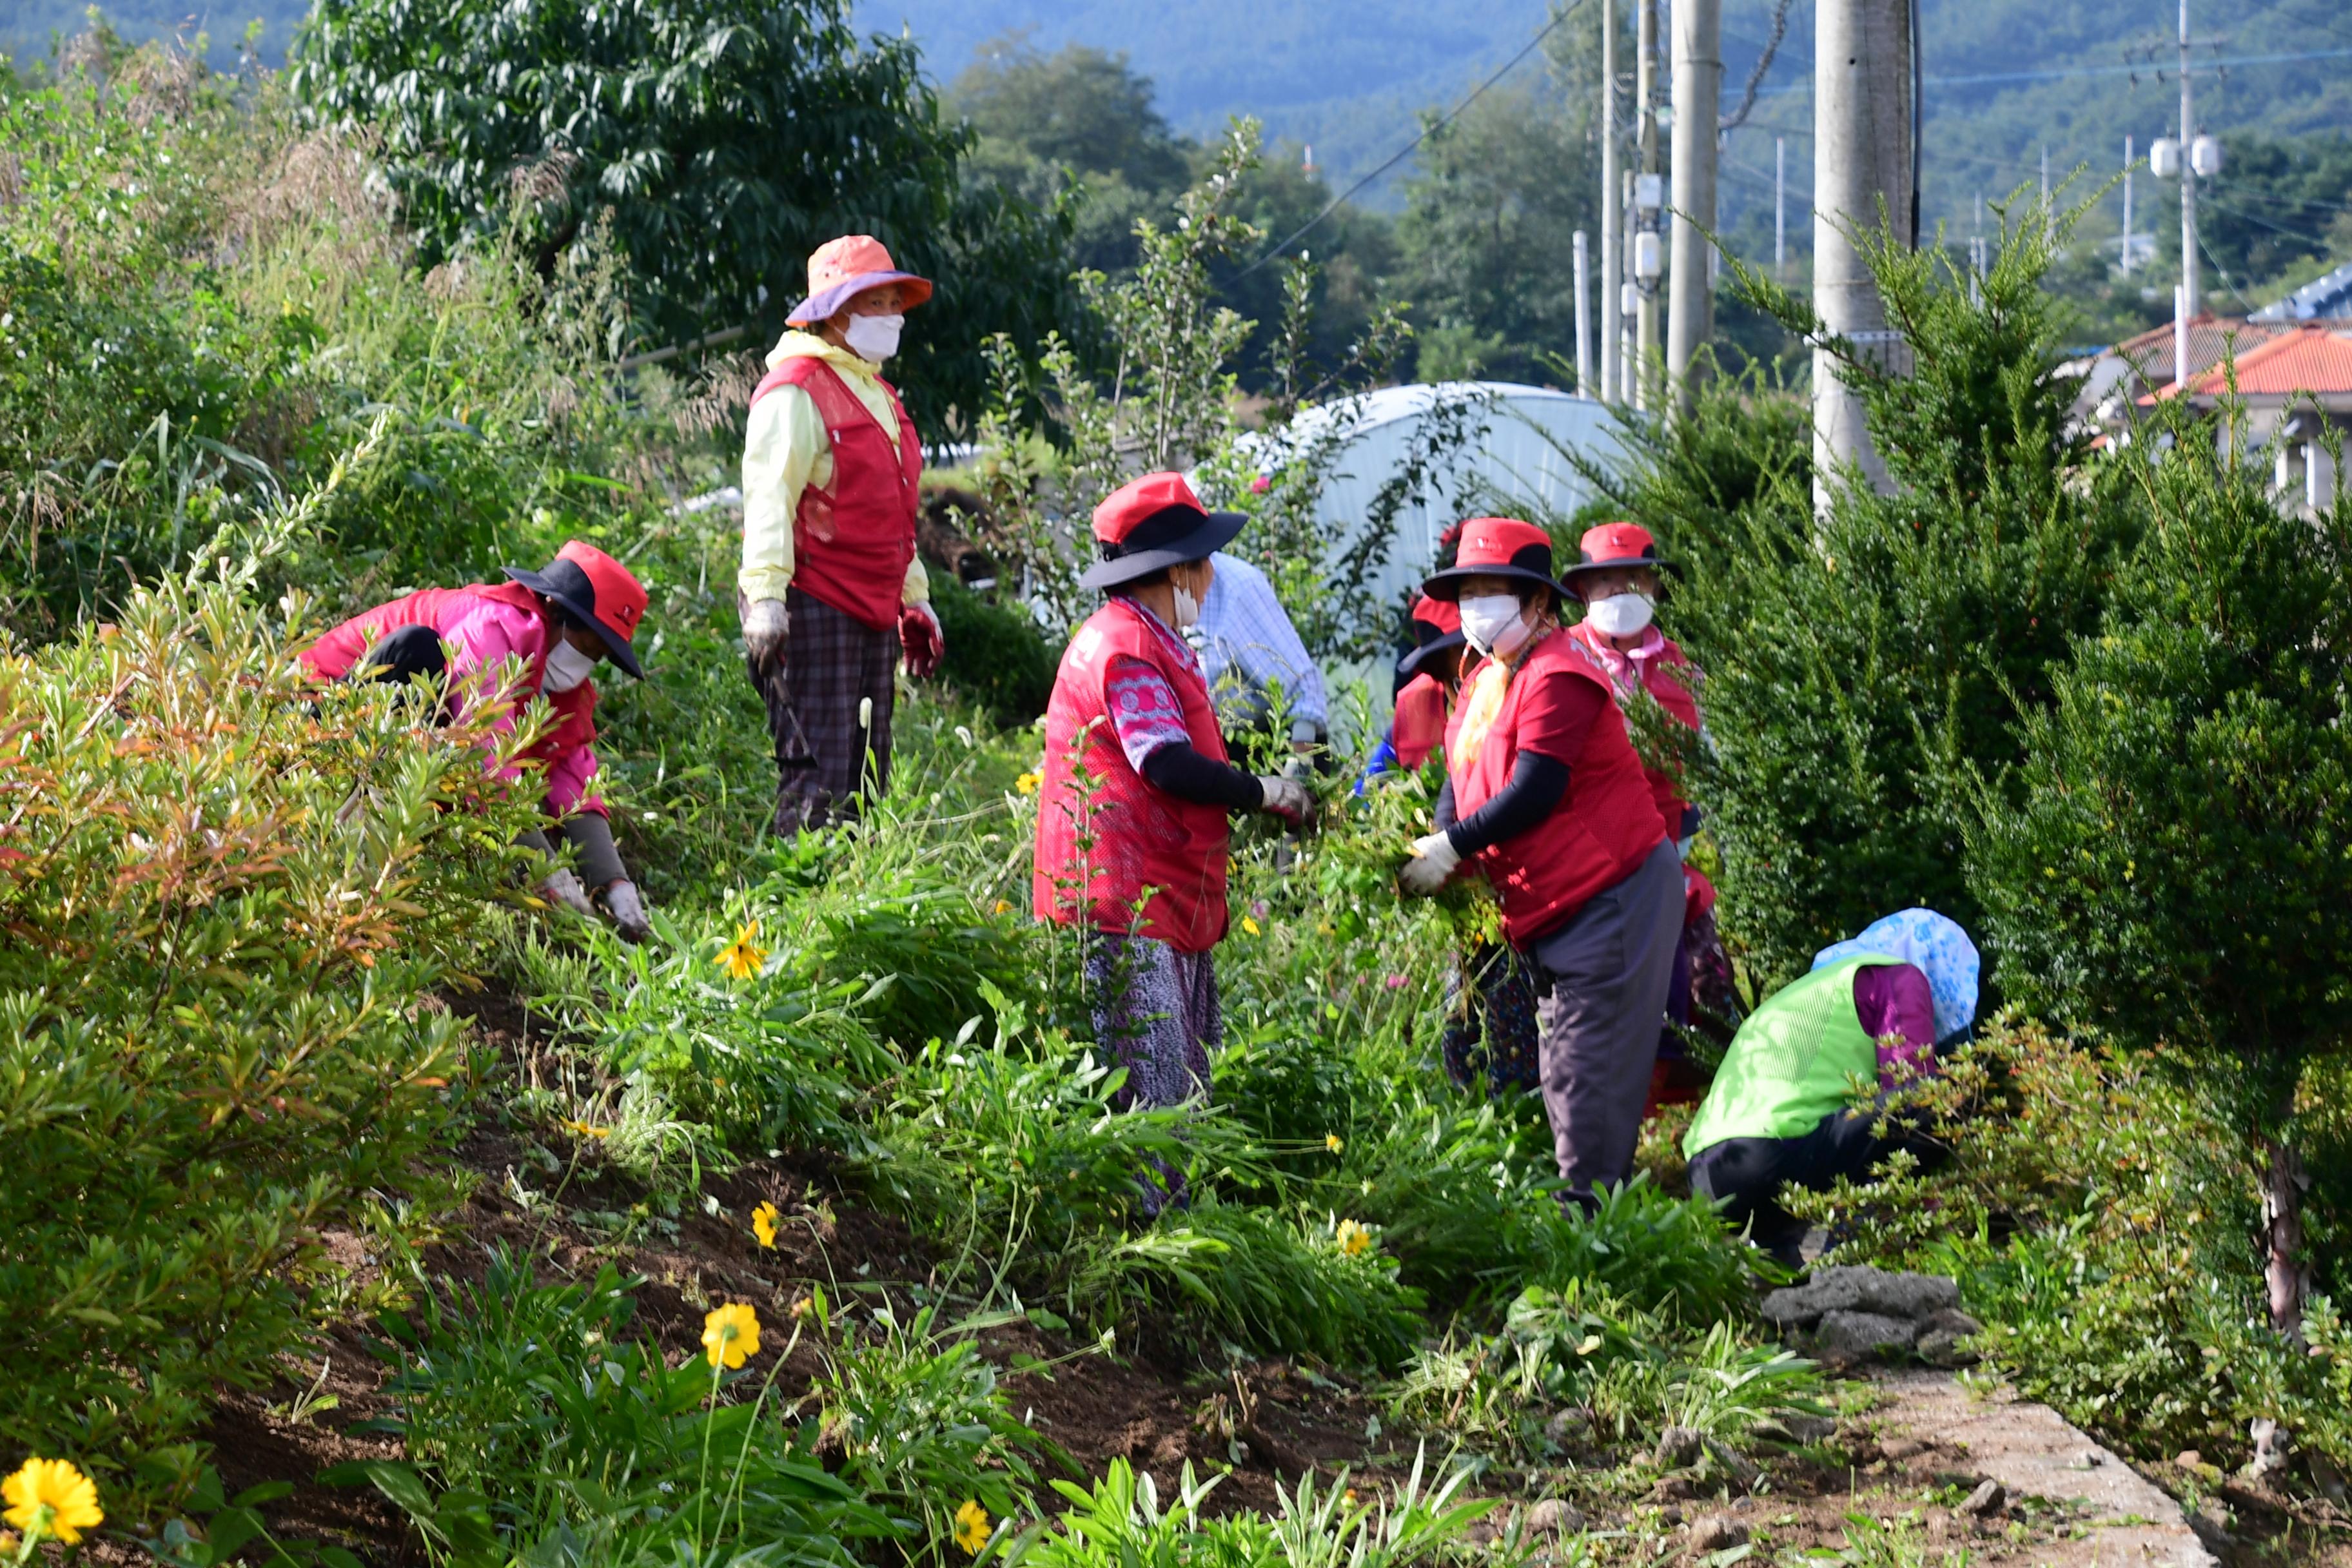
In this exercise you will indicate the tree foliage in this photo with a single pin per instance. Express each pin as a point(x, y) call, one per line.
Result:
point(718, 142)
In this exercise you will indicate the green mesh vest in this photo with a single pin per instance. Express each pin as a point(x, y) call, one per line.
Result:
point(1790, 1064)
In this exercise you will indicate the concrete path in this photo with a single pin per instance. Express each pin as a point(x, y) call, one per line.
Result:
point(2033, 1451)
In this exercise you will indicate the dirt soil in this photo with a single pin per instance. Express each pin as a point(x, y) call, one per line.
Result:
point(1262, 1422)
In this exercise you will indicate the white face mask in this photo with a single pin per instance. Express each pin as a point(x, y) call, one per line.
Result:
point(1620, 615)
point(1493, 623)
point(872, 338)
point(567, 667)
point(1188, 608)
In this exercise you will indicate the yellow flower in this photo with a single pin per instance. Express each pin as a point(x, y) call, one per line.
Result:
point(971, 1530)
point(743, 957)
point(587, 1132)
point(1332, 1142)
point(1249, 924)
point(731, 1335)
point(1004, 906)
point(763, 1224)
point(1354, 1239)
point(1028, 784)
point(49, 1499)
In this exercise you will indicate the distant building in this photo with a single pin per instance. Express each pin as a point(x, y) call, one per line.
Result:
point(2329, 297)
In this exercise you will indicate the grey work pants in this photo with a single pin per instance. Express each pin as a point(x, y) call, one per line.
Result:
point(1602, 979)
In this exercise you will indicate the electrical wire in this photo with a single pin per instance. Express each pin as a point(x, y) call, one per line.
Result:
point(1428, 130)
point(1763, 64)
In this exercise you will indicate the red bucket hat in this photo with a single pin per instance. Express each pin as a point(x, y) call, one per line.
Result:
point(1154, 521)
point(847, 266)
point(596, 591)
point(1617, 544)
point(1497, 547)
point(1436, 627)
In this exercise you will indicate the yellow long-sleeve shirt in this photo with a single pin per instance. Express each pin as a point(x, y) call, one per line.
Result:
point(786, 450)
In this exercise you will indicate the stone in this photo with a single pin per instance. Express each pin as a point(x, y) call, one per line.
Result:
point(1566, 1425)
point(1901, 1448)
point(1913, 1296)
point(1737, 1466)
point(1553, 1517)
point(1677, 1447)
point(1950, 1320)
point(1939, 1347)
point(1811, 1428)
point(1861, 1288)
point(1674, 1488)
point(1716, 1532)
point(1859, 1335)
point(1791, 1311)
point(1988, 1500)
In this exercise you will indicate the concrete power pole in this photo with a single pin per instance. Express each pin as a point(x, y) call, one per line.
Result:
point(2128, 160)
point(1645, 348)
point(1780, 208)
point(1699, 105)
point(1613, 243)
point(1583, 320)
point(1862, 167)
point(2190, 297)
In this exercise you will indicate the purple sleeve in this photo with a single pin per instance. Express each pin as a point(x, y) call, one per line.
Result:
point(1898, 1011)
point(1144, 712)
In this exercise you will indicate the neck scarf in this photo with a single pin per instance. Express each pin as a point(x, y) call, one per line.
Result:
point(1485, 703)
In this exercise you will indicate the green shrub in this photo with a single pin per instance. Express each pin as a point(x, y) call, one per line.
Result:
point(997, 655)
point(225, 903)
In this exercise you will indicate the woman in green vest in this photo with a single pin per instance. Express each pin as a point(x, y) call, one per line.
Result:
point(1782, 1108)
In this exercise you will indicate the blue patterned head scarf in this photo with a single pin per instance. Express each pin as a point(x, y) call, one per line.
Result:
point(1936, 945)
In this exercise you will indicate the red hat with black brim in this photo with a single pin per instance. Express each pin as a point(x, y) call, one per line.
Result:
point(596, 591)
point(1153, 522)
point(1617, 544)
point(1497, 547)
point(1436, 627)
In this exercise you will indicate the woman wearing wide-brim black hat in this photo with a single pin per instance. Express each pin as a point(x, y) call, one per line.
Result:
point(1545, 793)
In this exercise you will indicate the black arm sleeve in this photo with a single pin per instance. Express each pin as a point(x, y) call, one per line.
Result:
point(1185, 773)
point(600, 860)
point(1538, 783)
point(1448, 813)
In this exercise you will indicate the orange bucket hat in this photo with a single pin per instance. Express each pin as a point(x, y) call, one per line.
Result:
point(851, 265)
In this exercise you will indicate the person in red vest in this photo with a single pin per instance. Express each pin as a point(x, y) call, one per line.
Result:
point(1619, 578)
point(545, 632)
point(830, 591)
point(1545, 793)
point(1135, 792)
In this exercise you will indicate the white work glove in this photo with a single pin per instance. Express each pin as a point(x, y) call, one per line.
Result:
point(1434, 859)
point(764, 625)
point(628, 910)
point(1286, 798)
point(562, 886)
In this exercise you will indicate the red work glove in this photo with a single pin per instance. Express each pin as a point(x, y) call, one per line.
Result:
point(920, 636)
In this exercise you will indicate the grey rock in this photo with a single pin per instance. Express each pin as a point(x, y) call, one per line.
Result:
point(1950, 1320)
point(1859, 1335)
point(1861, 1288)
point(1791, 1311)
point(1677, 1447)
point(1986, 1501)
point(1553, 1517)
point(1913, 1296)
point(1939, 1347)
point(1742, 1471)
point(1716, 1533)
point(1567, 1424)
point(1809, 1428)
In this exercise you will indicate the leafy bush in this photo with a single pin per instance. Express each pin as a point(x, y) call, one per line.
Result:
point(996, 655)
point(224, 898)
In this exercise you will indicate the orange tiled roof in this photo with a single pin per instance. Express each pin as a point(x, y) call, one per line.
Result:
point(2310, 357)
point(2211, 338)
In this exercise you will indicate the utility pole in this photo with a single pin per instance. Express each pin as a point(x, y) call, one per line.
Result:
point(1646, 92)
point(2045, 176)
point(1629, 301)
point(1613, 245)
point(1583, 321)
point(1698, 107)
point(1780, 208)
point(2188, 295)
point(1862, 169)
point(2128, 160)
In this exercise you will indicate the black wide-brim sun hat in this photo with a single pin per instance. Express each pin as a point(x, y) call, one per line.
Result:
point(1409, 665)
point(1447, 586)
point(1168, 537)
point(566, 583)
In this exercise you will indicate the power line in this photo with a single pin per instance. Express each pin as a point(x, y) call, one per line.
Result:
point(1406, 150)
point(2072, 72)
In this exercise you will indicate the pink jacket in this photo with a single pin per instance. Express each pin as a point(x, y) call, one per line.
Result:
point(486, 627)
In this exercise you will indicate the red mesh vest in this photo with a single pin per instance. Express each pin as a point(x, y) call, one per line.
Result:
point(1596, 836)
point(332, 656)
point(1665, 790)
point(1146, 847)
point(851, 543)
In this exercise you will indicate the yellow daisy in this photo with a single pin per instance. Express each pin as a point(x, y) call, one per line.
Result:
point(763, 1224)
point(731, 1335)
point(1354, 1239)
point(1028, 784)
point(51, 1498)
point(971, 1531)
point(742, 957)
point(1332, 1142)
point(1250, 925)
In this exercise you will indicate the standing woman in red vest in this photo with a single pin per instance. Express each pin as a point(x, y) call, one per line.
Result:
point(548, 629)
point(1135, 849)
point(830, 591)
point(1545, 793)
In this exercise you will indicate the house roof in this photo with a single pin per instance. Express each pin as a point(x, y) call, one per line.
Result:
point(2313, 357)
point(2328, 296)
point(2211, 339)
